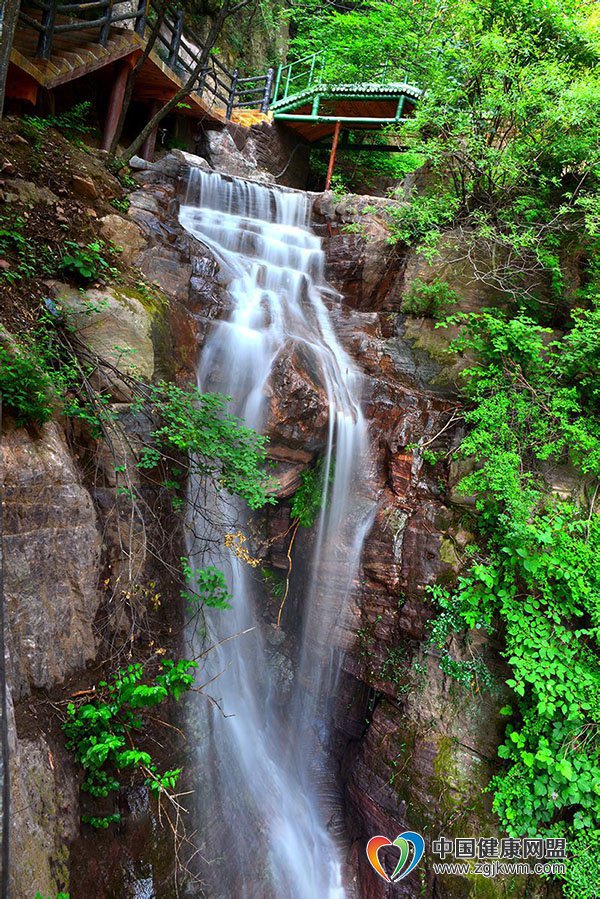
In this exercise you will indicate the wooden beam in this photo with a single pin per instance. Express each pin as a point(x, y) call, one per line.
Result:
point(147, 151)
point(115, 102)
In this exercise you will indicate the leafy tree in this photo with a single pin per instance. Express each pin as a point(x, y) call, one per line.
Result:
point(537, 575)
point(508, 126)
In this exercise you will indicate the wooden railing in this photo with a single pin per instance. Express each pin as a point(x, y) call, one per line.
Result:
point(176, 44)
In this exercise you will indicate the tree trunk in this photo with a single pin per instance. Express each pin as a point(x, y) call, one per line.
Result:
point(131, 78)
point(225, 11)
point(10, 15)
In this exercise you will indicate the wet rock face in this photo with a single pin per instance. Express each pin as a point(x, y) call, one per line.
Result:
point(52, 549)
point(44, 799)
point(297, 407)
point(361, 263)
point(263, 153)
point(416, 748)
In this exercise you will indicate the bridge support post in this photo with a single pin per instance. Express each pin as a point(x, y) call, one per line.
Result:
point(115, 103)
point(147, 151)
point(177, 34)
point(334, 145)
point(232, 90)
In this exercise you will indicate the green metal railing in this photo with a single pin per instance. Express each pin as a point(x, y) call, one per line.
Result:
point(325, 68)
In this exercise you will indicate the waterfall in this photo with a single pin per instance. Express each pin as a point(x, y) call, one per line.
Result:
point(267, 796)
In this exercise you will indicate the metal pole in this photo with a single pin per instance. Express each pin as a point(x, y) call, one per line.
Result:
point(105, 30)
point(312, 70)
point(336, 137)
point(140, 24)
point(176, 40)
point(277, 81)
point(287, 82)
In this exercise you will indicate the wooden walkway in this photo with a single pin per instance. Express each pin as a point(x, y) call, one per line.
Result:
point(59, 42)
point(56, 43)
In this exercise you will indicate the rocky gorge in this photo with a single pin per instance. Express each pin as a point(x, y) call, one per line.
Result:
point(413, 750)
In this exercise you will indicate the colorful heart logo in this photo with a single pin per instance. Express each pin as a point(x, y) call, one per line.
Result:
point(404, 842)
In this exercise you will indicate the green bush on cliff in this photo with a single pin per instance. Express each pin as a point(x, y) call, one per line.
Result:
point(531, 403)
point(25, 386)
point(102, 734)
point(434, 298)
point(507, 130)
point(307, 501)
point(218, 445)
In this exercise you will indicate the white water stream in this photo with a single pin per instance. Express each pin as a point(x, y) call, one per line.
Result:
point(268, 783)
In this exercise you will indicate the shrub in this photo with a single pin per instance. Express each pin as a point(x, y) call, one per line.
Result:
point(86, 262)
point(101, 734)
point(25, 387)
point(433, 299)
point(307, 501)
point(537, 575)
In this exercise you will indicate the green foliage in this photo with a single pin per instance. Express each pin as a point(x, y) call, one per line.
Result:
point(39, 895)
point(217, 444)
point(206, 587)
point(582, 878)
point(507, 130)
point(25, 387)
point(101, 822)
point(121, 204)
point(422, 219)
point(433, 299)
point(43, 362)
point(86, 262)
point(101, 734)
point(73, 123)
point(529, 407)
point(274, 581)
point(44, 368)
point(28, 258)
point(308, 500)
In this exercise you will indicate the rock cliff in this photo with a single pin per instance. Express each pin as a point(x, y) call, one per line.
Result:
point(415, 749)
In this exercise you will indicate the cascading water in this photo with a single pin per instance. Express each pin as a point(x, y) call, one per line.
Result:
point(265, 801)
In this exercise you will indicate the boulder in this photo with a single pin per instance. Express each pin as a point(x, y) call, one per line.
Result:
point(83, 186)
point(116, 326)
point(123, 233)
point(28, 193)
point(298, 410)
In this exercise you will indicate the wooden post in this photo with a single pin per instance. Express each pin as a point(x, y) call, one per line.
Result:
point(232, 92)
point(115, 103)
point(44, 47)
point(175, 40)
point(336, 137)
point(147, 151)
